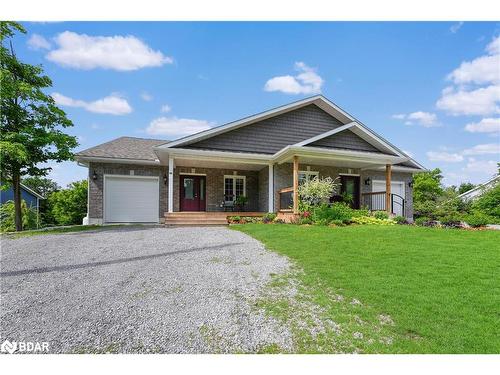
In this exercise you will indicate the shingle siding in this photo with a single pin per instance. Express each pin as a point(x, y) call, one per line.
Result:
point(271, 135)
point(345, 140)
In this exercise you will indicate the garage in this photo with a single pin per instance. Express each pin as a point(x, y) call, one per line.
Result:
point(131, 199)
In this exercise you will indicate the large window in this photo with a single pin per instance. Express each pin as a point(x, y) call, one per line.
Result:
point(234, 186)
point(307, 176)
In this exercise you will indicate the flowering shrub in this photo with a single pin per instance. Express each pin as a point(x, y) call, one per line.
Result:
point(317, 191)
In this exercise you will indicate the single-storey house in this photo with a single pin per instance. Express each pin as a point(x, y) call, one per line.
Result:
point(263, 157)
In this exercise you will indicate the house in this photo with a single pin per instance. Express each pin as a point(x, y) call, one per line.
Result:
point(31, 197)
point(480, 189)
point(263, 157)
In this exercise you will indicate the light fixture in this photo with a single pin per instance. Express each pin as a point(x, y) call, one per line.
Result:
point(165, 178)
point(94, 176)
point(410, 183)
point(368, 181)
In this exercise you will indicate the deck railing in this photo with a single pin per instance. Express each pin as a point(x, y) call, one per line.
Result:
point(375, 201)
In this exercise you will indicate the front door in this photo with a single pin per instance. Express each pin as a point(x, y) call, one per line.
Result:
point(350, 189)
point(193, 193)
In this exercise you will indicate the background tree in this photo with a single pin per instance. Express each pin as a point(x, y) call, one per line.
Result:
point(465, 186)
point(30, 130)
point(69, 206)
point(45, 186)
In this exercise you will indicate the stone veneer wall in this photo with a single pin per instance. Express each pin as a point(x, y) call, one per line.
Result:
point(283, 178)
point(215, 186)
point(96, 187)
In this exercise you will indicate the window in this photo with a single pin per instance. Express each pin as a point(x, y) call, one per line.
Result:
point(307, 176)
point(234, 186)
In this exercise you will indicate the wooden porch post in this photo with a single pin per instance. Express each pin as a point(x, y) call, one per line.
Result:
point(388, 176)
point(295, 184)
point(170, 191)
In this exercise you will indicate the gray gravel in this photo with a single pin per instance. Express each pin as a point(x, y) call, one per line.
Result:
point(139, 289)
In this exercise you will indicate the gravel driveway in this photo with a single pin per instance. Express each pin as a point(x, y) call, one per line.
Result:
point(139, 289)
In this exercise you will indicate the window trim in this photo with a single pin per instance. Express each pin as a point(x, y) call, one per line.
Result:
point(309, 173)
point(234, 177)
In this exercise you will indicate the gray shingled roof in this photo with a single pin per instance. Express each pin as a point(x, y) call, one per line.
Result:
point(125, 148)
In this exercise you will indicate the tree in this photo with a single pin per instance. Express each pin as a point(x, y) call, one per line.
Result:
point(465, 186)
point(30, 130)
point(42, 185)
point(427, 186)
point(69, 206)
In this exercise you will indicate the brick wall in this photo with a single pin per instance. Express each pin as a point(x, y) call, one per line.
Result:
point(96, 186)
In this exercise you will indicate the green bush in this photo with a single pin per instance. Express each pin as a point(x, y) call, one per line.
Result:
point(338, 223)
point(269, 217)
point(380, 215)
point(325, 214)
point(489, 202)
point(400, 220)
point(7, 217)
point(421, 221)
point(453, 220)
point(370, 220)
point(360, 212)
point(69, 206)
point(478, 219)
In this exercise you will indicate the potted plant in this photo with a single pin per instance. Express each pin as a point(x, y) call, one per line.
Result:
point(240, 202)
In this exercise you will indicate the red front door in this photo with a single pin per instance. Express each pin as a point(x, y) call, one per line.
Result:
point(193, 193)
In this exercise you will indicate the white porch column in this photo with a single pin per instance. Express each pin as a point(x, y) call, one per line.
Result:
point(170, 184)
point(270, 193)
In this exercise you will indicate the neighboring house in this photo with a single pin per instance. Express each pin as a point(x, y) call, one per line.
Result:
point(31, 197)
point(480, 189)
point(263, 157)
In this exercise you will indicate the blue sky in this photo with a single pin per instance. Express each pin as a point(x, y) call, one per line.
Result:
point(433, 89)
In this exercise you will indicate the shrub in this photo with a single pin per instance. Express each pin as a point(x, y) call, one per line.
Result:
point(325, 214)
point(400, 220)
point(338, 223)
point(360, 212)
point(234, 219)
point(380, 215)
point(489, 202)
point(7, 217)
point(269, 217)
point(421, 221)
point(451, 221)
point(317, 191)
point(69, 206)
point(305, 221)
point(370, 220)
point(478, 219)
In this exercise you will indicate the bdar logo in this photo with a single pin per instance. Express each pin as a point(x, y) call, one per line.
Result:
point(8, 347)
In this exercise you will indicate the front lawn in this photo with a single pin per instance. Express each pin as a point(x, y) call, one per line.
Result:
point(440, 288)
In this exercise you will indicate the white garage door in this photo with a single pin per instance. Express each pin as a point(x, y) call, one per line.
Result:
point(397, 187)
point(131, 199)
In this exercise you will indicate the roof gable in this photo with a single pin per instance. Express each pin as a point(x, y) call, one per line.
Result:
point(270, 135)
point(345, 140)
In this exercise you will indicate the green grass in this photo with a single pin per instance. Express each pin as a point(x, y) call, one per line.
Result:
point(440, 287)
point(58, 230)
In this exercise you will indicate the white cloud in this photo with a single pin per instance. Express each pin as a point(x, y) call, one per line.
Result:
point(112, 104)
point(486, 125)
point(123, 53)
point(444, 156)
point(165, 108)
point(425, 119)
point(37, 42)
point(146, 96)
point(455, 27)
point(480, 101)
point(176, 127)
point(482, 167)
point(489, 148)
point(482, 70)
point(307, 81)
